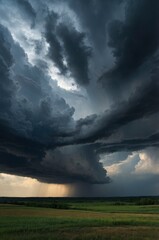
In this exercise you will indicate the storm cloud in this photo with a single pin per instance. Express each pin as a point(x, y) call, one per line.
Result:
point(55, 50)
point(58, 121)
point(133, 42)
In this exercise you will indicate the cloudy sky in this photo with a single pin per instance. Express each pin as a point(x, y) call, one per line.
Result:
point(79, 97)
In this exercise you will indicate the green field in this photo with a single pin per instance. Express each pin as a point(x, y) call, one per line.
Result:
point(83, 220)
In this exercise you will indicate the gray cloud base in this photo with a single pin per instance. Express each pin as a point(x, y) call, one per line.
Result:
point(39, 136)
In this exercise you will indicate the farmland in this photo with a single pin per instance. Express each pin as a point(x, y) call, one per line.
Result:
point(78, 219)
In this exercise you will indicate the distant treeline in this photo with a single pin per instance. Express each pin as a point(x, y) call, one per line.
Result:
point(68, 203)
point(147, 201)
point(53, 204)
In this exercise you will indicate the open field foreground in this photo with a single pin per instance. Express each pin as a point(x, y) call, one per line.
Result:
point(31, 223)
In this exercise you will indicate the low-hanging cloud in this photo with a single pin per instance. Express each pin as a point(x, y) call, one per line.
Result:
point(26, 137)
point(39, 136)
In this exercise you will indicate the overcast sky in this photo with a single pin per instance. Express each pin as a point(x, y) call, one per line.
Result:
point(79, 97)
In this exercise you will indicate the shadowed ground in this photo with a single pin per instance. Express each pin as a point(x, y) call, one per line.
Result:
point(20, 222)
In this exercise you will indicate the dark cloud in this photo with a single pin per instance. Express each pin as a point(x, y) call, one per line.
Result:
point(55, 51)
point(67, 44)
point(75, 164)
point(76, 53)
point(130, 144)
point(39, 136)
point(133, 41)
point(25, 157)
point(143, 103)
point(6, 84)
point(33, 122)
point(94, 16)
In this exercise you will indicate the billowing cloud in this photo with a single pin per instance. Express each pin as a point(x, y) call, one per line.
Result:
point(66, 44)
point(133, 42)
point(94, 16)
point(59, 123)
point(75, 164)
point(148, 161)
point(27, 134)
point(76, 53)
point(55, 50)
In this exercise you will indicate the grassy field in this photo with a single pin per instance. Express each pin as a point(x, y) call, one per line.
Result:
point(112, 208)
point(84, 220)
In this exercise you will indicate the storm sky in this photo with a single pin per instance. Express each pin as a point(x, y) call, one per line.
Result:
point(79, 97)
